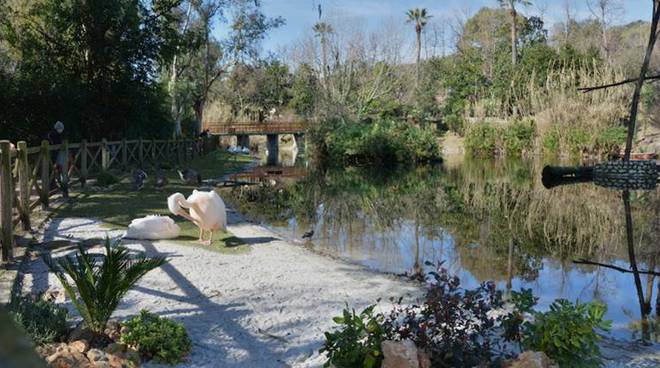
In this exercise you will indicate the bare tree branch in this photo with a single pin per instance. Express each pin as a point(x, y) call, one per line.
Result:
point(616, 84)
point(616, 268)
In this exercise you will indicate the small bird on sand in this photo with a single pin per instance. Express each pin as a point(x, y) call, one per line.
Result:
point(138, 179)
point(190, 176)
point(308, 235)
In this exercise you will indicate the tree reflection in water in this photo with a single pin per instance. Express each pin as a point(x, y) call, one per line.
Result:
point(486, 220)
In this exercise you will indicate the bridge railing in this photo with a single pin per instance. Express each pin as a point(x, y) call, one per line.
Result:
point(26, 173)
point(255, 128)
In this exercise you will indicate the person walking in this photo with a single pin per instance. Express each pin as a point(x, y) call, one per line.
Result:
point(59, 161)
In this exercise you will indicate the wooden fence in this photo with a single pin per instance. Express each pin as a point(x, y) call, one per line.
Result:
point(26, 173)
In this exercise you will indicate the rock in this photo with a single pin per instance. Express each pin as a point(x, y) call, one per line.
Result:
point(96, 355)
point(54, 295)
point(68, 360)
point(81, 346)
point(118, 361)
point(115, 348)
point(81, 333)
point(124, 330)
point(133, 356)
point(403, 354)
point(531, 359)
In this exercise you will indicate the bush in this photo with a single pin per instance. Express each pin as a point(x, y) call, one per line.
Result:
point(357, 342)
point(567, 333)
point(106, 179)
point(519, 137)
point(156, 338)
point(455, 123)
point(514, 139)
point(455, 325)
point(43, 321)
point(99, 286)
point(383, 143)
point(482, 140)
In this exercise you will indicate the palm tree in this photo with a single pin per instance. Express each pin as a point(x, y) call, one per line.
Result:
point(420, 17)
point(322, 30)
point(98, 286)
point(511, 5)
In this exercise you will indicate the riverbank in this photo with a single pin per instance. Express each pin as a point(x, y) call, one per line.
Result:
point(267, 307)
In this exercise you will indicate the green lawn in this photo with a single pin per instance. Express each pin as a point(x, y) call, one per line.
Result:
point(120, 205)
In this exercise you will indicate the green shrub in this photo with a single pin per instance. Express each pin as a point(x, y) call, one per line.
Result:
point(157, 338)
point(551, 141)
point(519, 137)
point(486, 139)
point(455, 123)
point(43, 321)
point(381, 143)
point(481, 139)
point(611, 137)
point(99, 286)
point(567, 333)
point(357, 341)
point(106, 179)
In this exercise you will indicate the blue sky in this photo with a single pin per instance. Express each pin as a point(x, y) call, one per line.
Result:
point(300, 15)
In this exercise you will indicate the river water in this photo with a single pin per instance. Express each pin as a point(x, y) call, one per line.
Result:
point(486, 220)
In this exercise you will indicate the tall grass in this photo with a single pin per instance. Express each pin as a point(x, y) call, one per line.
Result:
point(570, 121)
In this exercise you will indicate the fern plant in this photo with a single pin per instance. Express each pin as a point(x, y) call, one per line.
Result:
point(99, 286)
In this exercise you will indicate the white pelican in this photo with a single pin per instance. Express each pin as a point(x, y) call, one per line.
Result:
point(207, 211)
point(152, 228)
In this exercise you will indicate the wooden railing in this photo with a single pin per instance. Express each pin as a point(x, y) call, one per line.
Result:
point(255, 128)
point(26, 172)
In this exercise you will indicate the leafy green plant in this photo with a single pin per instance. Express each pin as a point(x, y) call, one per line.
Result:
point(383, 142)
point(567, 333)
point(98, 287)
point(481, 139)
point(43, 321)
point(157, 338)
point(106, 179)
point(357, 341)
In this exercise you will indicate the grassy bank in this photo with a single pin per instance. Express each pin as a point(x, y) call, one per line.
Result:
point(117, 206)
point(379, 143)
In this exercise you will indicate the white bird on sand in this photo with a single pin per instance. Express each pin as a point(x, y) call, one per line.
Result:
point(152, 228)
point(207, 211)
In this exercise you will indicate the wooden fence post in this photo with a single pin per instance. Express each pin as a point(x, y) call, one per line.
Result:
point(6, 200)
point(105, 155)
point(64, 168)
point(23, 185)
point(83, 162)
point(141, 152)
point(124, 154)
point(45, 174)
point(153, 153)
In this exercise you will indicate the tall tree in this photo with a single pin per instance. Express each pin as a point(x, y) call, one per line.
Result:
point(322, 30)
point(605, 11)
point(420, 18)
point(511, 5)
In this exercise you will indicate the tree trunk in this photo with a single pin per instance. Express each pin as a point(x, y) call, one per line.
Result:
point(174, 107)
point(514, 46)
point(419, 50)
point(632, 120)
point(324, 57)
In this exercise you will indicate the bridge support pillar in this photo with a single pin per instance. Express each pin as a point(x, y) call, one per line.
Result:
point(300, 142)
point(273, 148)
point(243, 140)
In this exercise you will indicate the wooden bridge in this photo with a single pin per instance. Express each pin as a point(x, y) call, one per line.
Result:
point(256, 128)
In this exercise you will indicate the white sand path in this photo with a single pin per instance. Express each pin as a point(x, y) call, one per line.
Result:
point(267, 307)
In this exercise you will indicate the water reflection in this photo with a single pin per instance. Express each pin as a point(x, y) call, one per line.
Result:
point(487, 220)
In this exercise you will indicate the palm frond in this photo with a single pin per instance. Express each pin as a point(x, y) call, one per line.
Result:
point(99, 287)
